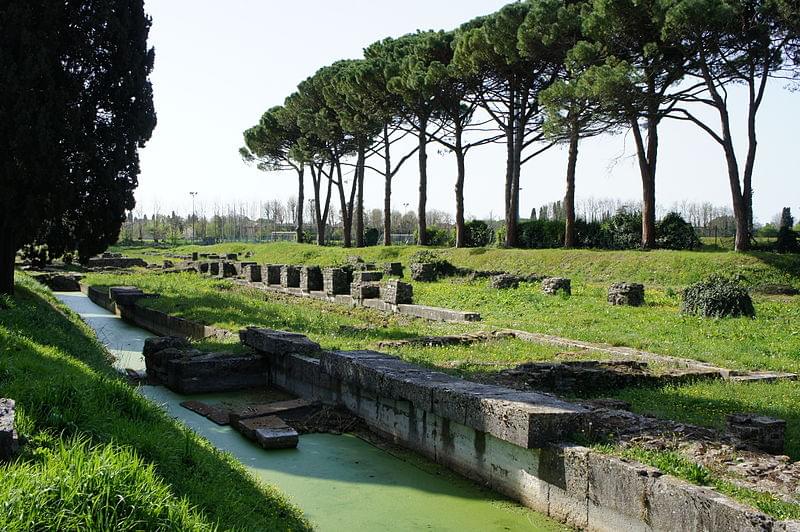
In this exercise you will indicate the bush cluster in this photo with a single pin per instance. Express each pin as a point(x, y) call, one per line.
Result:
point(442, 266)
point(718, 297)
point(477, 234)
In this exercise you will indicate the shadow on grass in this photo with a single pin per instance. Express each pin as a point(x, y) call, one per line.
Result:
point(57, 372)
point(786, 263)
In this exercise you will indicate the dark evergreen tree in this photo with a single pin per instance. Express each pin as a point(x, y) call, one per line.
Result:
point(75, 106)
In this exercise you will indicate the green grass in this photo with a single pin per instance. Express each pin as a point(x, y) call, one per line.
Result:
point(675, 464)
point(654, 268)
point(99, 455)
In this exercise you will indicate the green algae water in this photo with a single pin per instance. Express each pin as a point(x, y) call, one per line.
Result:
point(340, 482)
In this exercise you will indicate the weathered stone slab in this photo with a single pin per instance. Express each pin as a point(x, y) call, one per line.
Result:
point(293, 407)
point(438, 314)
point(273, 342)
point(220, 416)
point(335, 281)
point(125, 295)
point(311, 279)
point(554, 285)
point(215, 372)
point(290, 277)
point(271, 432)
point(9, 441)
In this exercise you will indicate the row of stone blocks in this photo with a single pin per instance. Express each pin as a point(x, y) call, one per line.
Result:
point(526, 419)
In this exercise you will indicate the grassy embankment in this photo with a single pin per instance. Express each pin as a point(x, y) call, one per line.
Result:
point(769, 342)
point(98, 455)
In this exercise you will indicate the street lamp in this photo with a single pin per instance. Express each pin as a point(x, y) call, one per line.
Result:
point(194, 217)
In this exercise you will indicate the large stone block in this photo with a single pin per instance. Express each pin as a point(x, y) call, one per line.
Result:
point(360, 291)
point(397, 292)
point(9, 441)
point(393, 269)
point(125, 295)
point(311, 279)
point(367, 276)
point(335, 282)
point(273, 273)
point(273, 342)
point(215, 372)
point(290, 277)
point(214, 268)
point(252, 273)
point(271, 432)
point(629, 294)
point(227, 270)
point(204, 268)
point(155, 344)
point(762, 432)
point(554, 285)
point(504, 281)
point(423, 272)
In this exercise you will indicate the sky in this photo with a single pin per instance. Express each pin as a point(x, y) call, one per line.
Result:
point(220, 65)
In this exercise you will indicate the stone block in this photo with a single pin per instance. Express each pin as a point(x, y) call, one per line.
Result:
point(155, 344)
point(438, 314)
point(61, 283)
point(252, 273)
point(232, 256)
point(311, 279)
point(423, 272)
point(214, 268)
point(367, 276)
point(204, 267)
point(271, 432)
point(195, 256)
point(125, 295)
point(504, 281)
point(215, 372)
point(273, 273)
point(393, 269)
point(628, 294)
point(168, 264)
point(9, 440)
point(335, 281)
point(290, 277)
point(360, 291)
point(397, 292)
point(292, 407)
point(227, 270)
point(554, 285)
point(272, 342)
point(762, 432)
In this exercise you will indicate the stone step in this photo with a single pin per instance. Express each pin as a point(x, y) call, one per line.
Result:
point(270, 432)
point(293, 407)
point(218, 415)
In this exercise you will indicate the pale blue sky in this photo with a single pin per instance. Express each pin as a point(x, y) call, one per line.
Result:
point(220, 65)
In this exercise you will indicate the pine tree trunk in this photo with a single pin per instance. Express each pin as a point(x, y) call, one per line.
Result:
point(461, 230)
point(387, 191)
point(360, 198)
point(422, 225)
point(569, 197)
point(300, 200)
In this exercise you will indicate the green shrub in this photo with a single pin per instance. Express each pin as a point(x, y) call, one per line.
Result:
point(787, 241)
point(438, 236)
point(623, 230)
point(443, 266)
point(673, 232)
point(717, 297)
point(371, 236)
point(477, 234)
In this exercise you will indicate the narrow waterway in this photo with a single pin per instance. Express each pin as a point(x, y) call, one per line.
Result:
point(340, 482)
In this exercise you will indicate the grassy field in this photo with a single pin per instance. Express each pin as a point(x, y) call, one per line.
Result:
point(98, 455)
point(661, 268)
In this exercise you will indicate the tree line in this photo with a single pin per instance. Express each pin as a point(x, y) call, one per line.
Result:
point(533, 75)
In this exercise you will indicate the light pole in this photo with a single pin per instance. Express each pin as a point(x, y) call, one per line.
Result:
point(194, 217)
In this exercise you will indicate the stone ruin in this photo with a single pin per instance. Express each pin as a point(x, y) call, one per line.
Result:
point(335, 282)
point(424, 272)
point(554, 285)
point(290, 277)
point(273, 274)
point(252, 273)
point(311, 279)
point(397, 292)
point(9, 440)
point(59, 282)
point(762, 432)
point(504, 281)
point(393, 269)
point(626, 294)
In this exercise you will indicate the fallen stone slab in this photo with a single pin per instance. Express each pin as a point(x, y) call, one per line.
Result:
point(9, 440)
point(438, 314)
point(220, 416)
point(270, 432)
point(271, 342)
point(281, 409)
